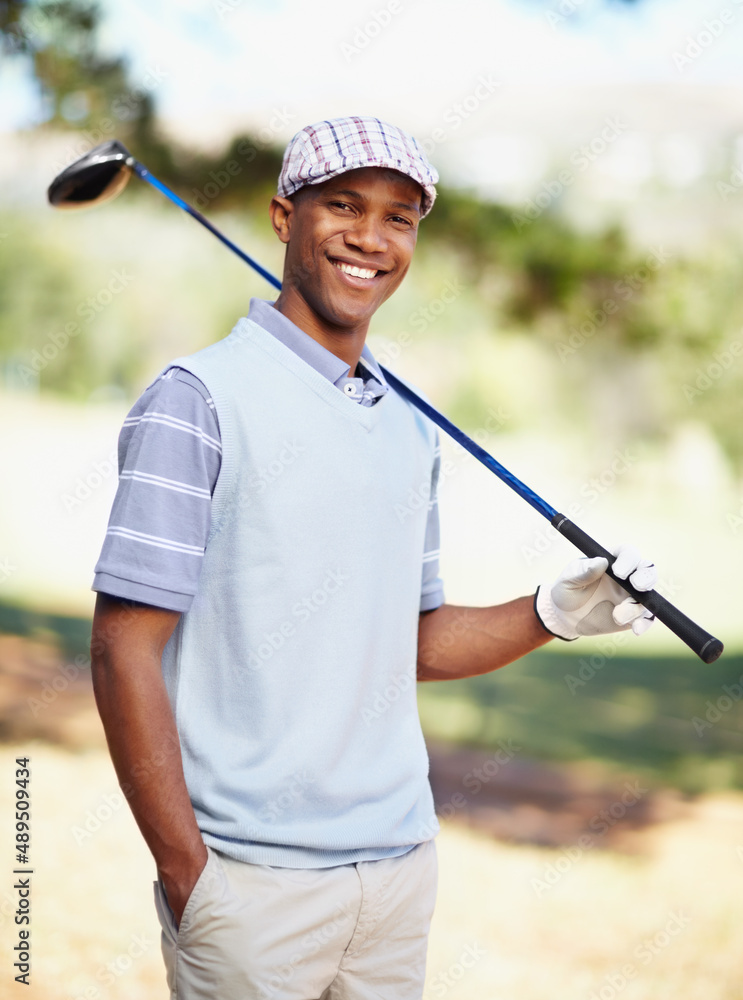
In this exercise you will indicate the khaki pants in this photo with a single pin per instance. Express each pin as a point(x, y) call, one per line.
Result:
point(255, 932)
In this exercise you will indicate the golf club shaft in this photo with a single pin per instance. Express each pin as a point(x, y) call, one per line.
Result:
point(144, 174)
point(706, 646)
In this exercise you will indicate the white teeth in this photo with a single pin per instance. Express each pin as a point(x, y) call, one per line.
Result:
point(357, 272)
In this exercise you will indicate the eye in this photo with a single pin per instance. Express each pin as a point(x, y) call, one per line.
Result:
point(340, 204)
point(400, 220)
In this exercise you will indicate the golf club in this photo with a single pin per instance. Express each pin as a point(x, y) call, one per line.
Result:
point(103, 172)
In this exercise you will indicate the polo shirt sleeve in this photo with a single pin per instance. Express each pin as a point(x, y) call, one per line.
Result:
point(169, 459)
point(432, 587)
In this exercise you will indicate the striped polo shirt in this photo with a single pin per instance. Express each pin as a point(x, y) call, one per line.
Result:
point(169, 459)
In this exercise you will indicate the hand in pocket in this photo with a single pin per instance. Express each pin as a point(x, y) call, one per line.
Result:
point(179, 882)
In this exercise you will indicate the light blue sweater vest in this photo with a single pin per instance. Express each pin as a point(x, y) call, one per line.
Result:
point(292, 676)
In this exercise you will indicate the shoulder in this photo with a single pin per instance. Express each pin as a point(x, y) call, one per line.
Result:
point(178, 390)
point(176, 400)
point(176, 382)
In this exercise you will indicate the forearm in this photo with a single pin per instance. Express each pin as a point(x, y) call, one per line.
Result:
point(456, 642)
point(145, 750)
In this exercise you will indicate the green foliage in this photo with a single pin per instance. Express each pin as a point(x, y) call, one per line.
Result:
point(35, 297)
point(71, 635)
point(60, 40)
point(639, 340)
point(551, 267)
point(242, 176)
point(547, 246)
point(58, 330)
point(650, 716)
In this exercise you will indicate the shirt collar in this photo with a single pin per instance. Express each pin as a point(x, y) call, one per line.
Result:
point(307, 348)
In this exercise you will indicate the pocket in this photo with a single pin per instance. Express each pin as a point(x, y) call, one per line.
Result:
point(169, 935)
point(165, 913)
point(203, 882)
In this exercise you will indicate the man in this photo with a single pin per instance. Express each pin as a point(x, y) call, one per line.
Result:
point(258, 593)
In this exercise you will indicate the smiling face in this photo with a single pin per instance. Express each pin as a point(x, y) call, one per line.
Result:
point(349, 243)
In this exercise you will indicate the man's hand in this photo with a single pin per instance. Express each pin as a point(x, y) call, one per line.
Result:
point(179, 883)
point(585, 601)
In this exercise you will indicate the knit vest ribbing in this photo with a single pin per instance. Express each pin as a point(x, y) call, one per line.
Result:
point(292, 676)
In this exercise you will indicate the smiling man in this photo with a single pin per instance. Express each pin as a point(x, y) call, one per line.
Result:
point(338, 279)
point(263, 612)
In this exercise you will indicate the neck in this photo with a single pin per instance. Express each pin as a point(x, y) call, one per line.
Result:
point(346, 343)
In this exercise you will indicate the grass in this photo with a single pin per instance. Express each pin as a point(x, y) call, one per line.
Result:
point(71, 634)
point(631, 713)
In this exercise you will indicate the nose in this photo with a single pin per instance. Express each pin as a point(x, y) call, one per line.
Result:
point(367, 234)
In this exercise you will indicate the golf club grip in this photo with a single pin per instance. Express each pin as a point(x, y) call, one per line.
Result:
point(702, 643)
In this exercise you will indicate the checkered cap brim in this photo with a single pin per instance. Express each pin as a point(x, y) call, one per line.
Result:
point(326, 149)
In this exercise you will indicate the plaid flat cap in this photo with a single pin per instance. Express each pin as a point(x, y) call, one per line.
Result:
point(326, 149)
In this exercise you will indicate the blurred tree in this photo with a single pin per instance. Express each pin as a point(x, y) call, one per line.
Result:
point(60, 42)
point(82, 89)
point(92, 93)
point(553, 269)
point(614, 319)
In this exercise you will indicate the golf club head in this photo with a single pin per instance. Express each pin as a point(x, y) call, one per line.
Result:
point(97, 176)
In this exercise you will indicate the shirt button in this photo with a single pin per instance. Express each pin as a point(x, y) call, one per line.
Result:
point(350, 389)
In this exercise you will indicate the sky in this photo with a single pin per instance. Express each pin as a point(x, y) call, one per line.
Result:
point(497, 90)
point(242, 54)
point(220, 58)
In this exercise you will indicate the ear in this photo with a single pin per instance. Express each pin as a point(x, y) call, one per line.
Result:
point(281, 211)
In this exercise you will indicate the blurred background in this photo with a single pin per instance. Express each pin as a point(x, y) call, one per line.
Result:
point(575, 304)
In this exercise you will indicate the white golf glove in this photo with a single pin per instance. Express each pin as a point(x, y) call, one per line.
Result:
point(585, 601)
